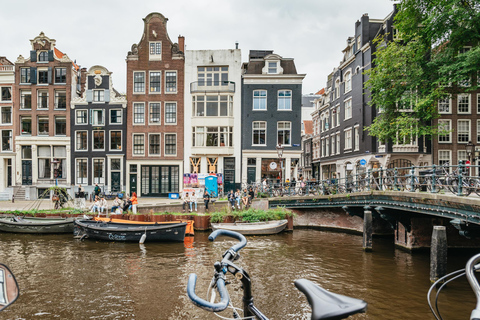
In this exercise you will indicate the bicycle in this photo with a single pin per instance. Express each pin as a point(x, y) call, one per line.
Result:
point(324, 304)
point(471, 266)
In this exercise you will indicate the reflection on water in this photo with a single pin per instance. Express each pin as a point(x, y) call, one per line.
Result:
point(63, 278)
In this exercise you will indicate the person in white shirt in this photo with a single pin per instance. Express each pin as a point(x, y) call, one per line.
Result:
point(186, 201)
point(95, 206)
point(193, 200)
point(103, 205)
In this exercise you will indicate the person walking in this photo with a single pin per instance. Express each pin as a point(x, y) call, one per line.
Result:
point(206, 199)
point(134, 201)
point(97, 190)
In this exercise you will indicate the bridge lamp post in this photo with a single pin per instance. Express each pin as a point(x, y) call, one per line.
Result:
point(470, 148)
point(280, 149)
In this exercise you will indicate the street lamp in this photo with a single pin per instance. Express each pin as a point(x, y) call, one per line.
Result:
point(280, 148)
point(471, 154)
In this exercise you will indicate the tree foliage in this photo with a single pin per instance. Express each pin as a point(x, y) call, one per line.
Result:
point(426, 62)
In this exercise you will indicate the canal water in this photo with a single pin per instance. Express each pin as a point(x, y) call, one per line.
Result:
point(63, 278)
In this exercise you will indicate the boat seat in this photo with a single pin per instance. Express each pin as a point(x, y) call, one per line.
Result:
point(327, 305)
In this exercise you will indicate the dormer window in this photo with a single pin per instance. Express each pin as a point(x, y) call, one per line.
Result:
point(98, 95)
point(43, 56)
point(155, 50)
point(272, 67)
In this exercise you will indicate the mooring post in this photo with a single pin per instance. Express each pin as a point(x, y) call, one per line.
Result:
point(367, 230)
point(438, 253)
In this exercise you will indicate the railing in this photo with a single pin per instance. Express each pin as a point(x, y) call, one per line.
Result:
point(212, 86)
point(459, 180)
point(7, 68)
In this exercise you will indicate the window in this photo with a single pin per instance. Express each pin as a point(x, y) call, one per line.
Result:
point(43, 126)
point(155, 81)
point(98, 95)
point(348, 109)
point(283, 132)
point(462, 156)
point(444, 105)
point(139, 82)
point(138, 113)
point(212, 136)
point(26, 125)
point(154, 113)
point(171, 81)
point(154, 144)
point(359, 42)
point(327, 147)
point(60, 75)
point(348, 81)
point(284, 100)
point(171, 113)
point(25, 99)
point(272, 67)
point(115, 140)
point(60, 126)
point(259, 133)
point(82, 171)
point(116, 116)
point(357, 138)
point(444, 127)
point(338, 143)
point(198, 136)
point(42, 99)
point(170, 144)
point(155, 50)
point(332, 139)
point(7, 140)
point(260, 100)
point(99, 171)
point(24, 75)
point(60, 100)
point(463, 102)
point(81, 117)
point(43, 76)
point(6, 115)
point(81, 141)
point(478, 131)
point(115, 164)
point(212, 76)
point(478, 96)
point(348, 138)
point(43, 56)
point(463, 131)
point(98, 140)
point(98, 118)
point(337, 112)
point(337, 89)
point(6, 94)
point(44, 162)
point(444, 157)
point(138, 145)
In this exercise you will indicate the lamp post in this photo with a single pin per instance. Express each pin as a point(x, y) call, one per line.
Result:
point(471, 154)
point(280, 148)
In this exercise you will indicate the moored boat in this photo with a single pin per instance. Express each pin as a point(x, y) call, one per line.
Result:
point(188, 230)
point(36, 225)
point(114, 231)
point(253, 228)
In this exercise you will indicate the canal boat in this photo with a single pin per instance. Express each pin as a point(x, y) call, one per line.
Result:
point(114, 231)
point(36, 225)
point(253, 228)
point(188, 231)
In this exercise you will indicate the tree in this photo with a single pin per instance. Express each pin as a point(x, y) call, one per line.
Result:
point(435, 53)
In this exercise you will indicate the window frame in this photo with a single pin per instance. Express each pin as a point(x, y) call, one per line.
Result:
point(110, 140)
point(259, 129)
point(284, 129)
point(447, 136)
point(47, 133)
point(463, 132)
point(150, 106)
point(77, 141)
point(155, 56)
point(85, 111)
point(258, 99)
point(137, 85)
point(56, 118)
point(167, 90)
point(94, 117)
point(443, 102)
point(25, 75)
point(150, 82)
point(348, 140)
point(2, 113)
point(93, 140)
point(99, 181)
point(118, 111)
point(84, 162)
point(98, 95)
point(150, 135)
point(134, 113)
point(134, 144)
point(1, 93)
point(284, 99)
point(348, 115)
point(40, 98)
point(165, 145)
point(62, 76)
point(469, 96)
point(167, 115)
point(10, 143)
point(58, 98)
point(348, 81)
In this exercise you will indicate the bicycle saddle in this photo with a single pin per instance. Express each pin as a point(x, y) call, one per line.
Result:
point(327, 305)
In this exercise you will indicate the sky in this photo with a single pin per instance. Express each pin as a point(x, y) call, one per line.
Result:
point(101, 32)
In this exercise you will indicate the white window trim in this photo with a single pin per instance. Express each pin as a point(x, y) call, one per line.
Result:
point(291, 99)
point(356, 146)
point(449, 106)
point(345, 139)
point(160, 114)
point(149, 80)
point(345, 108)
point(103, 169)
point(11, 141)
point(77, 170)
point(164, 144)
point(110, 140)
point(144, 82)
point(160, 145)
point(165, 82)
point(41, 69)
point(469, 103)
point(155, 57)
point(450, 134)
point(345, 90)
point(11, 91)
point(338, 147)
point(93, 141)
point(261, 145)
point(478, 97)
point(110, 117)
point(81, 124)
point(78, 150)
point(103, 118)
point(165, 113)
point(133, 145)
point(469, 131)
point(291, 135)
point(133, 113)
point(55, 126)
point(11, 115)
point(266, 100)
point(98, 101)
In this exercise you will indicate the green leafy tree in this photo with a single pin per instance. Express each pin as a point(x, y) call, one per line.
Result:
point(434, 54)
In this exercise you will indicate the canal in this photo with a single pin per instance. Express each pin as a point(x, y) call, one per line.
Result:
point(63, 278)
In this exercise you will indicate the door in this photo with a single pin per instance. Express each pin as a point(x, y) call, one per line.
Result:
point(27, 172)
point(251, 174)
point(115, 178)
point(133, 183)
point(9, 172)
point(229, 174)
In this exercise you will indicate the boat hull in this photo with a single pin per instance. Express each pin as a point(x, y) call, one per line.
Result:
point(37, 225)
point(107, 231)
point(255, 228)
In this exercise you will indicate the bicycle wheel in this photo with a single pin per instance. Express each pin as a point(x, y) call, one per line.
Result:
point(476, 186)
point(452, 185)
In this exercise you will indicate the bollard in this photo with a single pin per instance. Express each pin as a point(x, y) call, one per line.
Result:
point(367, 230)
point(438, 253)
point(13, 198)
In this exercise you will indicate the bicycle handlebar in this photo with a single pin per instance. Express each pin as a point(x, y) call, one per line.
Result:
point(199, 302)
point(470, 267)
point(232, 234)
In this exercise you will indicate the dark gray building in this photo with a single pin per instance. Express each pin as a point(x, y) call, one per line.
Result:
point(98, 123)
point(271, 115)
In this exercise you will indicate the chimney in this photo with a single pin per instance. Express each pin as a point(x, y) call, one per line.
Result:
point(236, 44)
point(181, 43)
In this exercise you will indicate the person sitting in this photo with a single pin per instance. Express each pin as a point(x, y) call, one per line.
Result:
point(193, 200)
point(103, 204)
point(95, 206)
point(238, 197)
point(206, 199)
point(245, 198)
point(231, 199)
point(186, 201)
point(117, 203)
point(134, 201)
point(251, 196)
point(127, 204)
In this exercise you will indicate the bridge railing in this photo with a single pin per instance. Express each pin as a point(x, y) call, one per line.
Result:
point(460, 180)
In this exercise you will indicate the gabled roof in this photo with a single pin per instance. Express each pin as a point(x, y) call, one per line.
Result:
point(59, 54)
point(308, 126)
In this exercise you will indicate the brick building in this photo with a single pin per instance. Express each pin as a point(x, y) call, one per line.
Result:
point(155, 95)
point(7, 154)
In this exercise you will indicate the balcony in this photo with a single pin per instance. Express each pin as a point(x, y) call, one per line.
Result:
point(7, 68)
point(212, 86)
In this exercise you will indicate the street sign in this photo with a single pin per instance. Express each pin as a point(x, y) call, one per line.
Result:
point(363, 162)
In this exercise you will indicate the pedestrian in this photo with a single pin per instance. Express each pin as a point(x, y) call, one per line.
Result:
point(186, 201)
point(206, 199)
point(238, 197)
point(117, 203)
point(193, 200)
point(231, 198)
point(134, 201)
point(264, 185)
point(97, 190)
point(81, 192)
